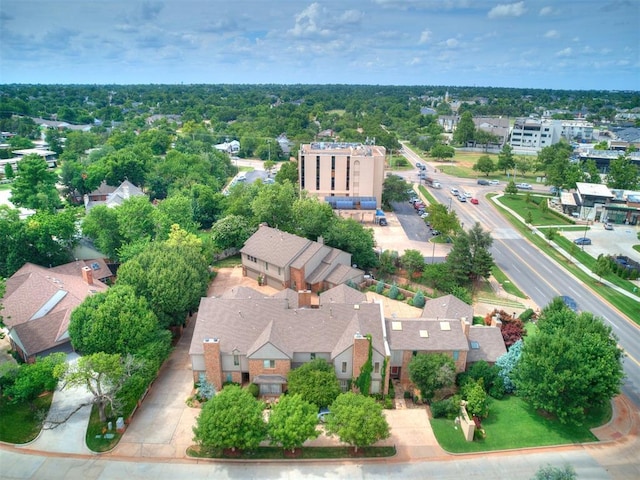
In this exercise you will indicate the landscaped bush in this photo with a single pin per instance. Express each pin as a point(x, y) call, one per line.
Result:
point(527, 315)
point(254, 389)
point(447, 408)
point(380, 287)
point(394, 292)
point(418, 299)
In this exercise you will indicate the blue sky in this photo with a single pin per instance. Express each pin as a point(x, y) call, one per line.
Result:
point(569, 44)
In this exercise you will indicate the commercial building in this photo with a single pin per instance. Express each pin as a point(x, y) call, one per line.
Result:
point(350, 172)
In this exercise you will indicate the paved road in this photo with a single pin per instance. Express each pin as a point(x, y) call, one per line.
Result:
point(538, 276)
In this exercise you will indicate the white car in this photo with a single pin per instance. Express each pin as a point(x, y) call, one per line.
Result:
point(468, 195)
point(494, 182)
point(455, 192)
point(524, 186)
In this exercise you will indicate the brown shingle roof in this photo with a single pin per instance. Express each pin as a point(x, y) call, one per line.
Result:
point(274, 246)
point(489, 342)
point(447, 306)
point(342, 294)
point(43, 333)
point(249, 324)
point(438, 339)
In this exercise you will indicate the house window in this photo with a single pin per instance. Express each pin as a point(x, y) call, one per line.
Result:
point(269, 363)
point(279, 271)
point(236, 360)
point(344, 385)
point(344, 367)
point(266, 266)
point(313, 356)
point(455, 355)
point(376, 367)
point(252, 258)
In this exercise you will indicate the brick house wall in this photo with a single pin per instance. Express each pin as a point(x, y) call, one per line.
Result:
point(256, 367)
point(296, 279)
point(212, 362)
point(360, 353)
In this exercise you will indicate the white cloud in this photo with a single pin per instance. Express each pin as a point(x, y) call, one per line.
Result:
point(425, 36)
point(451, 43)
point(507, 10)
point(551, 34)
point(351, 17)
point(415, 61)
point(546, 11)
point(566, 52)
point(307, 22)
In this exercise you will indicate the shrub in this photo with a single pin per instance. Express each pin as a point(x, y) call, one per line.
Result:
point(389, 403)
point(379, 287)
point(400, 297)
point(407, 394)
point(527, 315)
point(394, 292)
point(254, 389)
point(447, 408)
point(230, 383)
point(418, 299)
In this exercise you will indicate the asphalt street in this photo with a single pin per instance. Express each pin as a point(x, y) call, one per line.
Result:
point(534, 273)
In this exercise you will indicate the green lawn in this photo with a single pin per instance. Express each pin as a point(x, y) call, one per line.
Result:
point(518, 204)
point(506, 283)
point(512, 423)
point(95, 439)
point(25, 424)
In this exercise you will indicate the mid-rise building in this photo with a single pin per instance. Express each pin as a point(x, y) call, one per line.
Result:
point(530, 135)
point(352, 172)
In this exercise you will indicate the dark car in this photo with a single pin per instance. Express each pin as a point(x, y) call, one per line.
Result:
point(582, 241)
point(382, 222)
point(570, 302)
point(483, 182)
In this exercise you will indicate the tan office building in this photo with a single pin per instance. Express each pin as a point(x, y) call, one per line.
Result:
point(347, 175)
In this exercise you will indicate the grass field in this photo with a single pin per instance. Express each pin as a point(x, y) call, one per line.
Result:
point(518, 203)
point(512, 423)
point(25, 422)
point(463, 167)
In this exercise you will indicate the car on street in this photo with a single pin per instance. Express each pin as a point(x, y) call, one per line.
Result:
point(494, 182)
point(455, 192)
point(474, 201)
point(382, 222)
point(524, 186)
point(482, 181)
point(424, 215)
point(608, 226)
point(462, 198)
point(582, 241)
point(570, 302)
point(468, 195)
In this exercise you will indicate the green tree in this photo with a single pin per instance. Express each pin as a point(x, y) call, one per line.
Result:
point(387, 263)
point(232, 419)
point(115, 321)
point(511, 188)
point(354, 238)
point(32, 379)
point(311, 217)
point(431, 372)
point(476, 398)
point(102, 374)
point(274, 205)
point(413, 262)
point(555, 473)
point(465, 131)
point(292, 422)
point(315, 382)
point(524, 165)
point(127, 164)
point(442, 219)
point(485, 165)
point(101, 225)
point(506, 364)
point(135, 219)
point(357, 420)
point(602, 266)
point(418, 299)
point(175, 210)
point(394, 189)
point(288, 171)
point(622, 174)
point(231, 231)
point(9, 174)
point(481, 259)
point(571, 365)
point(558, 152)
point(3, 289)
point(506, 160)
point(591, 172)
point(440, 151)
point(35, 185)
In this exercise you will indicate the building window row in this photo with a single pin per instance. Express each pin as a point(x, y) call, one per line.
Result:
point(252, 258)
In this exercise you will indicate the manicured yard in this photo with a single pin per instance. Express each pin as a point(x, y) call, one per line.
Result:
point(506, 283)
point(512, 423)
point(518, 204)
point(96, 431)
point(25, 424)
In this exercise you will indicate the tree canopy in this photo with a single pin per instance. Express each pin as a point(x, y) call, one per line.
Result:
point(431, 372)
point(292, 422)
point(315, 382)
point(571, 365)
point(35, 185)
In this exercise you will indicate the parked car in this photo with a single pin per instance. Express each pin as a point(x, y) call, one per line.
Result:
point(474, 201)
point(424, 215)
point(582, 241)
point(435, 233)
point(323, 414)
point(524, 186)
point(570, 302)
point(482, 181)
point(382, 222)
point(468, 195)
point(494, 182)
point(462, 198)
point(419, 206)
point(421, 212)
point(608, 226)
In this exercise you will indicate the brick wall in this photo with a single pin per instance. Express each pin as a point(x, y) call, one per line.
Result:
point(212, 362)
point(256, 367)
point(360, 353)
point(296, 279)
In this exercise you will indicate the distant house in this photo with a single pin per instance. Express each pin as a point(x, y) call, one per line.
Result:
point(283, 260)
point(38, 303)
point(111, 196)
point(231, 147)
point(246, 337)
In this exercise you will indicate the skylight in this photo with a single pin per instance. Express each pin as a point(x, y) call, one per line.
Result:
point(424, 334)
point(445, 326)
point(396, 325)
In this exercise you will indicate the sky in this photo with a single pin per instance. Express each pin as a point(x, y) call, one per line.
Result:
point(568, 44)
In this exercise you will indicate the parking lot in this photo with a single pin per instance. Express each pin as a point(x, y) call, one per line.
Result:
point(618, 241)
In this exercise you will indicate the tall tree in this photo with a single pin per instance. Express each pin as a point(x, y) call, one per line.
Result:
point(394, 189)
point(315, 382)
point(311, 217)
point(506, 159)
point(116, 321)
point(571, 365)
point(465, 131)
point(622, 174)
point(357, 420)
point(292, 422)
point(485, 165)
point(412, 261)
point(35, 185)
point(274, 205)
point(231, 231)
point(232, 419)
point(431, 372)
point(288, 171)
point(352, 237)
point(101, 225)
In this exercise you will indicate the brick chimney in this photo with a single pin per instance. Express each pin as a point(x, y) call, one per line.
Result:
point(304, 298)
point(360, 353)
point(213, 362)
point(87, 275)
point(466, 325)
